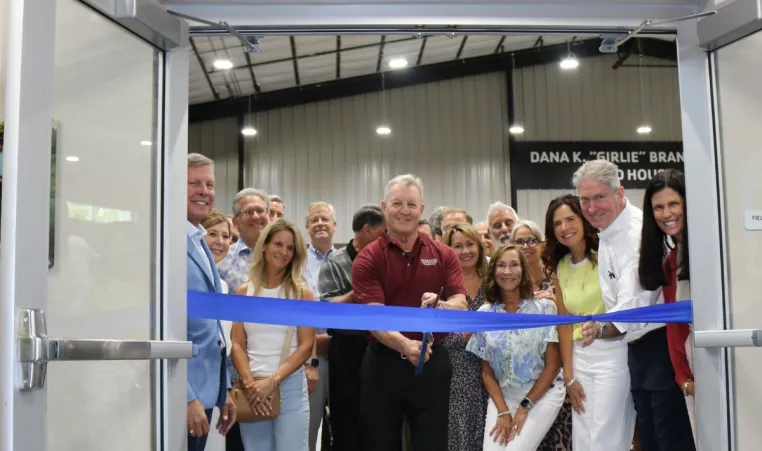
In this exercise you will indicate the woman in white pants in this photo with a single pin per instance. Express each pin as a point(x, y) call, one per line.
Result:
point(520, 368)
point(597, 376)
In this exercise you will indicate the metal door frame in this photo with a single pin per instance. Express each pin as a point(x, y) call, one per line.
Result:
point(30, 55)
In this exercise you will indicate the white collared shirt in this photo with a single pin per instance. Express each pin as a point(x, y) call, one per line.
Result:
point(618, 260)
point(196, 234)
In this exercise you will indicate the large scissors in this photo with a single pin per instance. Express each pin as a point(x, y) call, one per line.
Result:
point(427, 337)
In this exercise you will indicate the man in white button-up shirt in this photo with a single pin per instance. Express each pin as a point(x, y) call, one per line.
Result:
point(661, 414)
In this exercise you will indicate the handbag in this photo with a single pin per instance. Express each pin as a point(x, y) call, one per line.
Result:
point(244, 413)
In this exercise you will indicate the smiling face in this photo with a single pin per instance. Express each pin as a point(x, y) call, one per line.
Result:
point(501, 223)
point(252, 219)
point(466, 249)
point(200, 193)
point(568, 227)
point(668, 207)
point(279, 252)
point(218, 239)
point(277, 210)
point(320, 224)
point(402, 209)
point(600, 204)
point(483, 230)
point(525, 240)
point(508, 271)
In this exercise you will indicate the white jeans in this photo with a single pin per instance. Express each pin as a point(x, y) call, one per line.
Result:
point(537, 424)
point(608, 422)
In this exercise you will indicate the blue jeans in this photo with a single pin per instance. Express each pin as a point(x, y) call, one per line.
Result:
point(289, 431)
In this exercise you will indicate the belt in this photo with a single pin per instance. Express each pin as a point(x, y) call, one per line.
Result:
point(649, 334)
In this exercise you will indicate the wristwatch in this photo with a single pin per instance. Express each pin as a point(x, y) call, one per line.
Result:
point(314, 362)
point(603, 331)
point(527, 403)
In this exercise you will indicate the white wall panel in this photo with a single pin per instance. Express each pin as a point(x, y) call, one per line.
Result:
point(593, 103)
point(450, 133)
point(218, 140)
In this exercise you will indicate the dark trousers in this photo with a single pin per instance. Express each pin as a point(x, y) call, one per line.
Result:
point(390, 391)
point(345, 355)
point(233, 440)
point(662, 416)
point(199, 443)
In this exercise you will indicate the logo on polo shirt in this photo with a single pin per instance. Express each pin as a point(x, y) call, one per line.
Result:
point(429, 261)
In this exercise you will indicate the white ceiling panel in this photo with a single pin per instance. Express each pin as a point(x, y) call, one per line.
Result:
point(273, 48)
point(358, 62)
point(439, 49)
point(358, 40)
point(480, 46)
point(317, 69)
point(276, 76)
point(310, 45)
point(405, 49)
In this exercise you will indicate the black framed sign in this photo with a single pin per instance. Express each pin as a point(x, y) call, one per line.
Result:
point(551, 165)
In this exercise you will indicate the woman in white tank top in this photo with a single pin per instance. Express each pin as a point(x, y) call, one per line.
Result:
point(276, 272)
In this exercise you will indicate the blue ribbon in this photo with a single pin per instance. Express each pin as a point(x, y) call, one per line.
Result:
point(330, 315)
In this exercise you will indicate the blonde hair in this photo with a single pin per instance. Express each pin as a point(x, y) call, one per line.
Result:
point(470, 231)
point(292, 282)
point(213, 218)
point(317, 206)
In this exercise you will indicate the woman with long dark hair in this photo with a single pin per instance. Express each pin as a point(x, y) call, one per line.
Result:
point(664, 264)
point(596, 377)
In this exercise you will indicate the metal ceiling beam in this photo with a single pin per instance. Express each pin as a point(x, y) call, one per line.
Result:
point(203, 69)
point(380, 53)
point(295, 58)
point(499, 47)
point(462, 46)
point(411, 76)
point(538, 42)
point(338, 57)
point(420, 52)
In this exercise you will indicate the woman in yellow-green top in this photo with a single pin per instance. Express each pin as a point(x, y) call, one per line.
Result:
point(596, 377)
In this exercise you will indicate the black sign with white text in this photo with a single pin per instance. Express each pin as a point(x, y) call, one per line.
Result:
point(551, 165)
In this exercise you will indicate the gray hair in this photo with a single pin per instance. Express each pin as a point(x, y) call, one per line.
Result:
point(533, 227)
point(497, 206)
point(435, 220)
point(321, 204)
point(196, 160)
point(275, 198)
point(407, 180)
point(602, 171)
point(250, 192)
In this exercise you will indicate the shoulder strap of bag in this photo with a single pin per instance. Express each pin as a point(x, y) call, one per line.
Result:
point(287, 343)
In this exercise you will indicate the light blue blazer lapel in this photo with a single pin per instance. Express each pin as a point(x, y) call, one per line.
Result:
point(196, 257)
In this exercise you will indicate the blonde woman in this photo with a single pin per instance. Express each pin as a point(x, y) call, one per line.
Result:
point(279, 258)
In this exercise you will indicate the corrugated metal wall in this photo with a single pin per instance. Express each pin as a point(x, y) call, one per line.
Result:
point(593, 103)
point(218, 140)
point(450, 133)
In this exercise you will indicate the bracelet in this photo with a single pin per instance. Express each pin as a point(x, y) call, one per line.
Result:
point(685, 387)
point(570, 383)
point(507, 412)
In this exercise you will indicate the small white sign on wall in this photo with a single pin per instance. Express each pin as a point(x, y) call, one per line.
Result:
point(752, 219)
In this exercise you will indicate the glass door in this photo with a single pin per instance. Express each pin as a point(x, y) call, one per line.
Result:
point(93, 283)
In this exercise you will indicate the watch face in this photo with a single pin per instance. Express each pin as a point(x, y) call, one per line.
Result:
point(524, 403)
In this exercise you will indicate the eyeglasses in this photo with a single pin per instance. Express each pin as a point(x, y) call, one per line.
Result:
point(256, 211)
point(531, 242)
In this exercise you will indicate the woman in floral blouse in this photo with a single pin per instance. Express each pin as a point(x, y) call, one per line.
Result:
point(520, 368)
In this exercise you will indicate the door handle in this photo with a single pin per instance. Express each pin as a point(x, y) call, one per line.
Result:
point(34, 349)
point(733, 338)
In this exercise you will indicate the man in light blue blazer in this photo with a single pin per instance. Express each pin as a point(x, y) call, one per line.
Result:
point(208, 382)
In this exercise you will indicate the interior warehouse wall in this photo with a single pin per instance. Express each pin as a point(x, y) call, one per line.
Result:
point(452, 134)
point(593, 103)
point(218, 140)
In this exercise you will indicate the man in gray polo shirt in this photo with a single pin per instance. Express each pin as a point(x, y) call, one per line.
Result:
point(347, 347)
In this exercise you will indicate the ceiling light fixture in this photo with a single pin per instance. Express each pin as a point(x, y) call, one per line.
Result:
point(570, 62)
point(223, 64)
point(72, 158)
point(516, 129)
point(644, 129)
point(249, 131)
point(383, 130)
point(145, 143)
point(397, 63)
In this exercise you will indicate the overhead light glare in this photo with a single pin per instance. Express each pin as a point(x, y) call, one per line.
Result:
point(249, 131)
point(397, 63)
point(72, 158)
point(516, 129)
point(644, 129)
point(383, 130)
point(145, 143)
point(223, 64)
point(569, 62)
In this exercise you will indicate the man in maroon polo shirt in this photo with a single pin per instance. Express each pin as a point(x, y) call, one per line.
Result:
point(403, 268)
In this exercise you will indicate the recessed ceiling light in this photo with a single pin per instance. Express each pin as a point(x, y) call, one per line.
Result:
point(397, 63)
point(223, 64)
point(644, 129)
point(569, 62)
point(145, 143)
point(516, 129)
point(72, 158)
point(249, 131)
point(383, 130)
